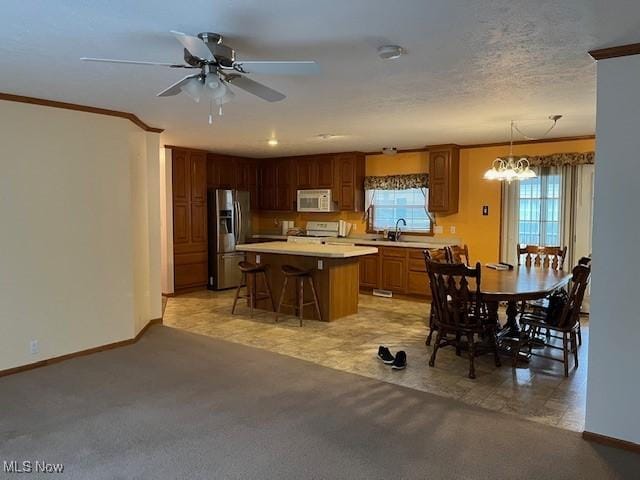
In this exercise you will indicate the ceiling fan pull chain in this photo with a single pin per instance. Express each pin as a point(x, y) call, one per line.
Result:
point(210, 112)
point(220, 110)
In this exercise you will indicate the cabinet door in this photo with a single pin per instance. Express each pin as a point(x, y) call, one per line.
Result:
point(198, 162)
point(324, 172)
point(304, 168)
point(346, 167)
point(198, 223)
point(418, 283)
point(181, 176)
point(369, 269)
point(394, 274)
point(443, 179)
point(284, 185)
point(180, 223)
point(227, 172)
point(267, 185)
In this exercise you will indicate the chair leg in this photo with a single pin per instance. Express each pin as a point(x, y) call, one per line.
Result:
point(432, 360)
point(252, 293)
point(565, 353)
point(300, 298)
point(268, 288)
point(458, 340)
point(574, 347)
point(427, 342)
point(316, 302)
point(237, 295)
point(284, 289)
point(472, 356)
point(579, 334)
point(496, 353)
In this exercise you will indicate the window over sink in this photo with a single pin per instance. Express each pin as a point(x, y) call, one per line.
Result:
point(387, 206)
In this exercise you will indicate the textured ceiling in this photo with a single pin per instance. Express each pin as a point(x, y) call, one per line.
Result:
point(470, 67)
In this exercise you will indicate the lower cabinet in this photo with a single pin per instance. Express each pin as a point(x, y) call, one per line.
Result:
point(398, 269)
point(369, 271)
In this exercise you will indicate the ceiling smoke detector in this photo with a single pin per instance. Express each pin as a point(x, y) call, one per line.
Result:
point(390, 52)
point(389, 150)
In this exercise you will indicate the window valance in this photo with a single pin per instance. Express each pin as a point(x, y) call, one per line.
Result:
point(561, 159)
point(397, 182)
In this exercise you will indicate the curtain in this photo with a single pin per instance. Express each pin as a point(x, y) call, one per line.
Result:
point(562, 159)
point(393, 182)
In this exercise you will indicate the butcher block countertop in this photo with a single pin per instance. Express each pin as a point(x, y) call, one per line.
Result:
point(307, 249)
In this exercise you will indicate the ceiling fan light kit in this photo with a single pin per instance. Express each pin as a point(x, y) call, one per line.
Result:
point(219, 69)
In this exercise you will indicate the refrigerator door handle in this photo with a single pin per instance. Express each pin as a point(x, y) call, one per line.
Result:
point(236, 221)
point(240, 220)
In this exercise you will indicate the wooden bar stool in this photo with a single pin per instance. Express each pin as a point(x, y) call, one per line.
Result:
point(299, 277)
point(250, 272)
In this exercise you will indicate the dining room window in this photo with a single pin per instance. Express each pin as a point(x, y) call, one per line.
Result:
point(390, 205)
point(539, 209)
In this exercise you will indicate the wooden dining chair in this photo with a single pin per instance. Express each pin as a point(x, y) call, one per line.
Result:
point(439, 255)
point(544, 257)
point(567, 325)
point(458, 254)
point(458, 311)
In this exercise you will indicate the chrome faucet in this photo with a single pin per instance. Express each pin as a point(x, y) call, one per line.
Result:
point(398, 233)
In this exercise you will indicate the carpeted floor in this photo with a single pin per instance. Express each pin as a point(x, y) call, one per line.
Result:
point(179, 405)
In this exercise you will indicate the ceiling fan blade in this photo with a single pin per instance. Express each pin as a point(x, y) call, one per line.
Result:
point(134, 62)
point(255, 88)
point(176, 88)
point(295, 67)
point(196, 47)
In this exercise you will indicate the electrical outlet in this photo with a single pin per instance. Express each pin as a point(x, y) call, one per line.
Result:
point(257, 258)
point(452, 229)
point(438, 229)
point(33, 347)
point(320, 264)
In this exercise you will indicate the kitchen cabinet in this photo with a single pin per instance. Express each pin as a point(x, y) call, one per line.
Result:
point(444, 173)
point(398, 269)
point(247, 179)
point(369, 271)
point(222, 171)
point(276, 190)
point(349, 172)
point(304, 168)
point(324, 165)
point(189, 184)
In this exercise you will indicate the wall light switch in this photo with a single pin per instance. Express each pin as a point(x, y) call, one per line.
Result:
point(320, 264)
point(438, 229)
point(452, 229)
point(33, 347)
point(485, 210)
point(257, 258)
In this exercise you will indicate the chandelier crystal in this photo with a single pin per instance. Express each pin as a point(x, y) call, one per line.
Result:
point(510, 168)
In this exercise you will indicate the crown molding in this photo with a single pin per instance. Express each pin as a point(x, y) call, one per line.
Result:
point(614, 52)
point(80, 108)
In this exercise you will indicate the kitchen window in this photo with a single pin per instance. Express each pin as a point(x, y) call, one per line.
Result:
point(387, 206)
point(539, 210)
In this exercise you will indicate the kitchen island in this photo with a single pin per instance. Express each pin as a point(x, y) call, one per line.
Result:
point(335, 271)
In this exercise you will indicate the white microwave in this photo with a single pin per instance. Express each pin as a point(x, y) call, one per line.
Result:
point(315, 201)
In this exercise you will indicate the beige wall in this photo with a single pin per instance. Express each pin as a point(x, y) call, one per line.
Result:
point(79, 244)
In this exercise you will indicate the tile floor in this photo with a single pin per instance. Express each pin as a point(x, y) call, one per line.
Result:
point(539, 392)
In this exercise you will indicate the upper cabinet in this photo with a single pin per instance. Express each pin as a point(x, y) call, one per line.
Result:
point(222, 171)
point(276, 184)
point(444, 173)
point(324, 171)
point(198, 177)
point(349, 181)
point(304, 168)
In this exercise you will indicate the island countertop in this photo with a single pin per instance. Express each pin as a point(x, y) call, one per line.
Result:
point(307, 249)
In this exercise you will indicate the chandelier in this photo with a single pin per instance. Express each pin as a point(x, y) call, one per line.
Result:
point(510, 168)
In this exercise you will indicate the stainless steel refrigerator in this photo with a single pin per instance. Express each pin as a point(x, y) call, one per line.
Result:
point(229, 217)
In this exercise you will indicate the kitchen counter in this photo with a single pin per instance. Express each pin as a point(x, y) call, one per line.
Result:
point(431, 243)
point(335, 270)
point(307, 249)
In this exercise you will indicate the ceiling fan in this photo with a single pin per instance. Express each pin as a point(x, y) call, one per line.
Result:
point(219, 69)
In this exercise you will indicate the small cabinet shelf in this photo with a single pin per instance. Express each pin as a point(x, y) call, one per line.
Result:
point(444, 174)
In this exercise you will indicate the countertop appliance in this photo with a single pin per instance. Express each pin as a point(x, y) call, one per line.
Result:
point(315, 201)
point(229, 224)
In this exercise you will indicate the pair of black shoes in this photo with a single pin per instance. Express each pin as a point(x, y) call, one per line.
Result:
point(399, 362)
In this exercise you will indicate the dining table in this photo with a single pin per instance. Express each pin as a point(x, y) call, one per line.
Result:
point(514, 286)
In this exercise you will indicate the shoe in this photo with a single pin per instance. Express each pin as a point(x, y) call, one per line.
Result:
point(385, 355)
point(400, 362)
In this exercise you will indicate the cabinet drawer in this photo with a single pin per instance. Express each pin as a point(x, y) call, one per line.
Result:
point(416, 265)
point(416, 253)
point(394, 252)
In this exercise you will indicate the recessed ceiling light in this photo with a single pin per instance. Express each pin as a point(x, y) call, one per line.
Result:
point(390, 52)
point(273, 142)
point(327, 136)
